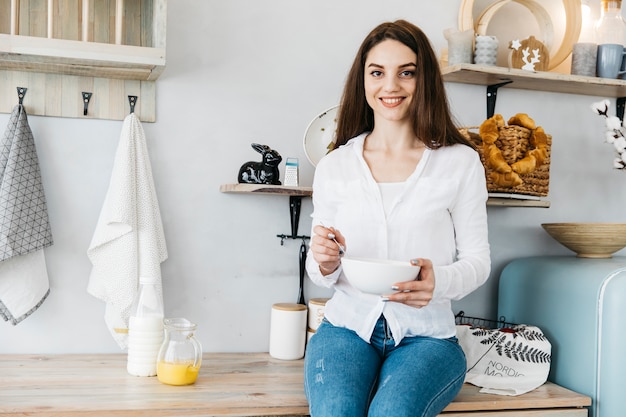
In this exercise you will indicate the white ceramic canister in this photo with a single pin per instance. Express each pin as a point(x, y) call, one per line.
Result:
point(486, 50)
point(288, 328)
point(316, 312)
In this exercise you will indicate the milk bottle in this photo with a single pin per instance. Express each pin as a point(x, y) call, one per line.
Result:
point(145, 329)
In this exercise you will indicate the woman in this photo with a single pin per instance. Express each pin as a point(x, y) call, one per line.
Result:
point(401, 184)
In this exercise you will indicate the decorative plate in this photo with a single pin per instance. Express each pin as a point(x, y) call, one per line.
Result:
point(320, 135)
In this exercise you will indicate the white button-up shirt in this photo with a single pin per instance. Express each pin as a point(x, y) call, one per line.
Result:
point(440, 215)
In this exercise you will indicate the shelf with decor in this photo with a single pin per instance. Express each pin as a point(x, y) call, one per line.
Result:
point(61, 49)
point(495, 77)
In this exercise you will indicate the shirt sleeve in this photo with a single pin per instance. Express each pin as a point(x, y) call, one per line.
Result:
point(469, 216)
point(323, 213)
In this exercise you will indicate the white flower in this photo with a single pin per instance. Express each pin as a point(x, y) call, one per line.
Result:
point(614, 133)
point(613, 123)
point(601, 107)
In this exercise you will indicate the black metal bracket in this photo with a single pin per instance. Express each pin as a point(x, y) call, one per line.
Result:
point(295, 202)
point(86, 98)
point(492, 95)
point(21, 92)
point(620, 105)
point(132, 100)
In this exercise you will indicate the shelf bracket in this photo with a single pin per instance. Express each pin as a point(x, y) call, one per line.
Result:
point(492, 95)
point(295, 202)
point(620, 105)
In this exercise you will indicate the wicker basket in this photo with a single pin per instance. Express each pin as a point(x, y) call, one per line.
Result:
point(513, 142)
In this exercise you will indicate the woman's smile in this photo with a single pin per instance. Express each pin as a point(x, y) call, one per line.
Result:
point(391, 101)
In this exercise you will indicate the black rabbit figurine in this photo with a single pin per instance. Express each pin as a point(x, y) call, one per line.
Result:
point(264, 172)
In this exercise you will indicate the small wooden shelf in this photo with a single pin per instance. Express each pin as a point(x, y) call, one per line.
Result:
point(71, 57)
point(267, 189)
point(308, 191)
point(538, 81)
point(513, 202)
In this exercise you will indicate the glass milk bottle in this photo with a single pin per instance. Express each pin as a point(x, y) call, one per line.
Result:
point(611, 28)
point(145, 329)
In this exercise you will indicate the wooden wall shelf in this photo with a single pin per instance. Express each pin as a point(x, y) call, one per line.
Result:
point(308, 191)
point(538, 81)
point(267, 189)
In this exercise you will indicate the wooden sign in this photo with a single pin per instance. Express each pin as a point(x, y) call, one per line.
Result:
point(529, 54)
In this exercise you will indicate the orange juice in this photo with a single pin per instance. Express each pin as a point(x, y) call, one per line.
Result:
point(183, 373)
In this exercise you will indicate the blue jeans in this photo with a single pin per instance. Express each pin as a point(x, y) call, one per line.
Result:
point(346, 377)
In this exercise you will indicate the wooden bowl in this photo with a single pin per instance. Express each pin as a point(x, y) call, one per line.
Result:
point(589, 240)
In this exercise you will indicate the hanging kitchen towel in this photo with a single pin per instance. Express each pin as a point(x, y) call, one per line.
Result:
point(24, 225)
point(128, 241)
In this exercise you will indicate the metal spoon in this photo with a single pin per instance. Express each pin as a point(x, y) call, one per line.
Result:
point(332, 236)
point(342, 250)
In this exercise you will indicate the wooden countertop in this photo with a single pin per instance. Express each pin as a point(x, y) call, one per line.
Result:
point(229, 384)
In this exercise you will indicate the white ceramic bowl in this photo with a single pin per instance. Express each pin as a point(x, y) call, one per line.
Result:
point(376, 276)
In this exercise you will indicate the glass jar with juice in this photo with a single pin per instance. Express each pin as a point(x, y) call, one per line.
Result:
point(180, 355)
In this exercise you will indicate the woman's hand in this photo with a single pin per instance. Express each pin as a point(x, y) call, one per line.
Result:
point(325, 250)
point(419, 292)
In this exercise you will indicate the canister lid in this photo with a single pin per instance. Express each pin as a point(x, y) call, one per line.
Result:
point(318, 301)
point(289, 306)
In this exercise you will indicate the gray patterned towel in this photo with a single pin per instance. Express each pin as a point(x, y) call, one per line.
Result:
point(24, 225)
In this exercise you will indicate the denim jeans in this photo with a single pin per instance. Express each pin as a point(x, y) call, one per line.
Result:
point(346, 377)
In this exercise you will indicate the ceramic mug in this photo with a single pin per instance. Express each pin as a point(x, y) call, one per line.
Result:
point(610, 60)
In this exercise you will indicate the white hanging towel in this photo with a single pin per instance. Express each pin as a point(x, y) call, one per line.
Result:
point(128, 241)
point(24, 224)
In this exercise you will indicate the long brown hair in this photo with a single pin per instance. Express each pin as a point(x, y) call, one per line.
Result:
point(430, 113)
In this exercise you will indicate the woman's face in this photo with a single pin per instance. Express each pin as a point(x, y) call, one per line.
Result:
point(390, 79)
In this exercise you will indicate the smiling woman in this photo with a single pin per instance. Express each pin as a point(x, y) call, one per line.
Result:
point(402, 186)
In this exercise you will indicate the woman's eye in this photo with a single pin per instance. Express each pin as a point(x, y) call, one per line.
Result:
point(407, 74)
point(376, 73)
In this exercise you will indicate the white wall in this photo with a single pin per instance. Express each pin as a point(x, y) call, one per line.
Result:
point(259, 71)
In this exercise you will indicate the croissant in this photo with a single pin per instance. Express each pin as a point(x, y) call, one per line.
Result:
point(495, 160)
point(509, 179)
point(522, 119)
point(488, 130)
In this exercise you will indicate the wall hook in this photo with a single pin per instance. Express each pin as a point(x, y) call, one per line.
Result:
point(132, 100)
point(21, 92)
point(86, 98)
